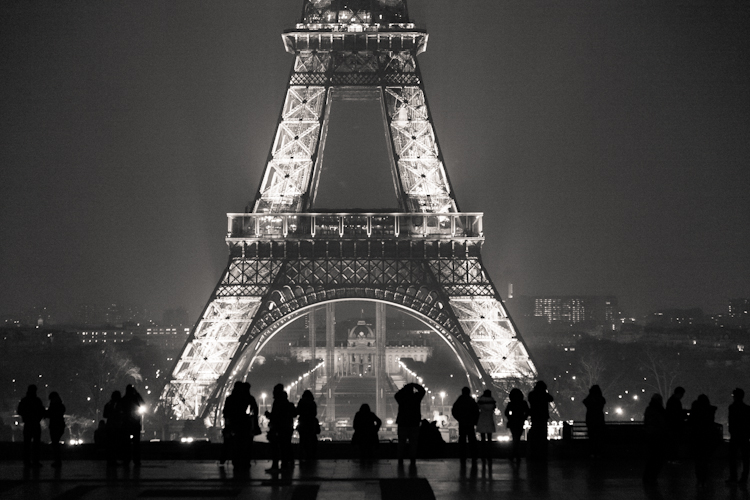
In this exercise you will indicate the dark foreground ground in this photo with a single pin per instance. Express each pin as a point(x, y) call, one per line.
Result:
point(568, 474)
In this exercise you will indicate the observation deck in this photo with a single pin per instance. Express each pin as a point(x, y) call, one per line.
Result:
point(455, 226)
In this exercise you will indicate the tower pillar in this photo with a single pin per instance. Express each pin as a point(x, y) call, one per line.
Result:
point(379, 361)
point(313, 357)
point(330, 365)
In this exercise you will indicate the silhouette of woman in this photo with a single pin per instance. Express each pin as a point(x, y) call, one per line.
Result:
point(486, 422)
point(307, 426)
point(516, 413)
point(56, 415)
point(594, 403)
point(703, 430)
point(655, 424)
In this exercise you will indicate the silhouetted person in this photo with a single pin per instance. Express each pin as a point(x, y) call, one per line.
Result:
point(366, 426)
point(704, 433)
point(594, 403)
point(655, 426)
point(281, 427)
point(739, 436)
point(56, 415)
point(466, 412)
point(239, 411)
point(431, 442)
point(516, 413)
point(307, 426)
point(409, 399)
point(131, 413)
point(113, 413)
point(675, 423)
point(486, 422)
point(31, 410)
point(539, 400)
point(100, 438)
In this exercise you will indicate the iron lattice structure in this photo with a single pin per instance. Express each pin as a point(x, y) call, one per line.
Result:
point(285, 258)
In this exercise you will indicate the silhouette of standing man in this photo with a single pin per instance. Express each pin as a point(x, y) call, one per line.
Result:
point(739, 440)
point(131, 411)
point(409, 399)
point(539, 400)
point(31, 410)
point(466, 412)
point(675, 423)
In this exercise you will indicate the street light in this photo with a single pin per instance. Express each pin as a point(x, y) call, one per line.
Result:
point(263, 396)
point(442, 403)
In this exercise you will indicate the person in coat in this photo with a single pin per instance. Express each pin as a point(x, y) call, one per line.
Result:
point(594, 404)
point(113, 414)
point(466, 412)
point(31, 409)
point(516, 413)
point(132, 406)
point(281, 428)
point(409, 399)
point(307, 426)
point(739, 436)
point(366, 427)
point(56, 415)
point(486, 422)
point(539, 401)
point(704, 433)
point(655, 426)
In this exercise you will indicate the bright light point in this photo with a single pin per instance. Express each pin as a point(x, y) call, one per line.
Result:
point(141, 410)
point(389, 421)
point(503, 438)
point(618, 411)
point(572, 398)
point(442, 394)
point(635, 396)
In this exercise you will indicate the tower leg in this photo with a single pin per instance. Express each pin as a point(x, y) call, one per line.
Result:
point(313, 356)
point(331, 361)
point(379, 361)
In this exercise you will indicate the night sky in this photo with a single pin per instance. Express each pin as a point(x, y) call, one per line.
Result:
point(607, 143)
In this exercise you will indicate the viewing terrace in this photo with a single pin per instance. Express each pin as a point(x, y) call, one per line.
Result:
point(466, 226)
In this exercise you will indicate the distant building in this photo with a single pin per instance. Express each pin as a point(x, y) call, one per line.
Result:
point(575, 309)
point(355, 356)
point(676, 317)
point(739, 312)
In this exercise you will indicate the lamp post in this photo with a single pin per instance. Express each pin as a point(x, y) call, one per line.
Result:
point(442, 402)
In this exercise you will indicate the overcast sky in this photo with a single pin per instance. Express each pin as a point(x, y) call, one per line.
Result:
point(607, 143)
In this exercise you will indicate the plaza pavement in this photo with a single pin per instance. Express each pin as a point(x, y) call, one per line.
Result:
point(570, 478)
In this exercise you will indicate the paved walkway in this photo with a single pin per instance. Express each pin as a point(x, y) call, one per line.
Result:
point(347, 480)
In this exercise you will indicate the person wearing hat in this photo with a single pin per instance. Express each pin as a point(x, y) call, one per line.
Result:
point(739, 432)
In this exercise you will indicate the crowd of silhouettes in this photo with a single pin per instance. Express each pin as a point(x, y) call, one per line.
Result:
point(665, 428)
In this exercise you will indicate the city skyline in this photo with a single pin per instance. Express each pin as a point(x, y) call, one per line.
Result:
point(604, 143)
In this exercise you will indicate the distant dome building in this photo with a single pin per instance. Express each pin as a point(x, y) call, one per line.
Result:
point(355, 356)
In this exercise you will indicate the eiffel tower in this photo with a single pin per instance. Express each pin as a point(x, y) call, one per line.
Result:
point(286, 259)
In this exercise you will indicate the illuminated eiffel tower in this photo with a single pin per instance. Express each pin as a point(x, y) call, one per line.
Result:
point(285, 259)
